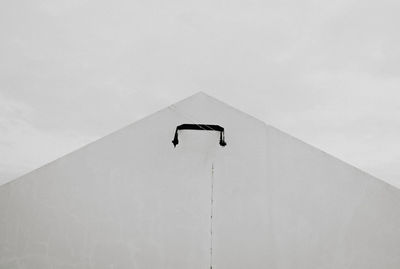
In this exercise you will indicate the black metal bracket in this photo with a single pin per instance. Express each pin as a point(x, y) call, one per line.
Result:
point(201, 127)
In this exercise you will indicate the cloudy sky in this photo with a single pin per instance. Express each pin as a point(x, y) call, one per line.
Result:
point(327, 72)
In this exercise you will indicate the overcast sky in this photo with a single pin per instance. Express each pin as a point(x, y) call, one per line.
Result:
point(327, 72)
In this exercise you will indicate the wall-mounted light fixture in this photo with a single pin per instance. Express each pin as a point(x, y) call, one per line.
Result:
point(201, 127)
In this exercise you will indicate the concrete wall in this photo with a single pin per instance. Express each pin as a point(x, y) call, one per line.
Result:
point(130, 200)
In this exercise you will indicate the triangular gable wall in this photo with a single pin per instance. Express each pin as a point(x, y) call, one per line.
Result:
point(132, 200)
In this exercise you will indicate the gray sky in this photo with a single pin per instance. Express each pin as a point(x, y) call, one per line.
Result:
point(327, 72)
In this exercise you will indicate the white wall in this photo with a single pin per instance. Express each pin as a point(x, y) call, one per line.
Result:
point(130, 200)
point(327, 214)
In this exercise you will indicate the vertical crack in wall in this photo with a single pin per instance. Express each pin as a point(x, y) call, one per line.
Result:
point(211, 215)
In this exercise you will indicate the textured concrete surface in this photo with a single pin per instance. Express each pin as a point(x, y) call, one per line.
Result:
point(130, 200)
